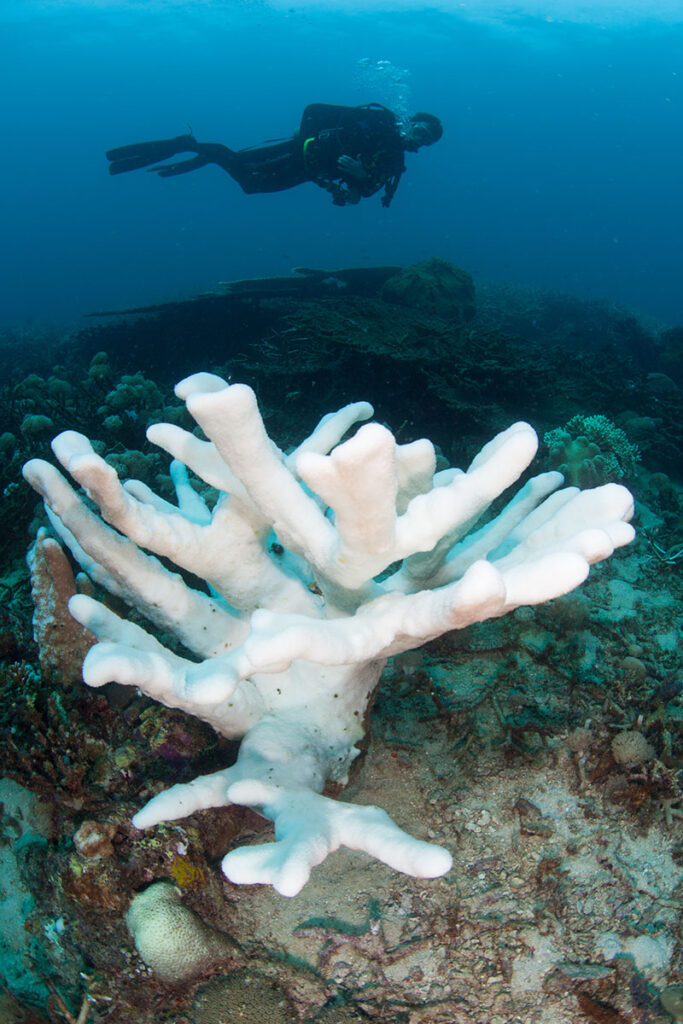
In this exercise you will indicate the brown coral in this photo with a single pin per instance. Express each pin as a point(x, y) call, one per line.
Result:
point(62, 642)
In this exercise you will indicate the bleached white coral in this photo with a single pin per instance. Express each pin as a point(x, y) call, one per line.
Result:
point(319, 565)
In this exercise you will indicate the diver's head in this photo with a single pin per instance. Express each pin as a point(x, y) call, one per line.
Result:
point(422, 130)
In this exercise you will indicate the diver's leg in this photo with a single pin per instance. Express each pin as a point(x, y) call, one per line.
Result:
point(216, 153)
point(142, 154)
point(267, 168)
point(273, 167)
point(207, 153)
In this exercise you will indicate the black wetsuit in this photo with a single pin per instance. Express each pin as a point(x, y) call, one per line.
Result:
point(368, 133)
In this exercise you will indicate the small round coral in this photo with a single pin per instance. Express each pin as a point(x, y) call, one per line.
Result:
point(94, 839)
point(245, 996)
point(172, 940)
point(630, 748)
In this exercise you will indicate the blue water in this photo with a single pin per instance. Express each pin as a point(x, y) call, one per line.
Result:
point(559, 167)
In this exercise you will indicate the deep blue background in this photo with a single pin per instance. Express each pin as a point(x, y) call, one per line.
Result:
point(560, 165)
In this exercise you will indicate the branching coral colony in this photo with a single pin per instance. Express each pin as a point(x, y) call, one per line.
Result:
point(319, 565)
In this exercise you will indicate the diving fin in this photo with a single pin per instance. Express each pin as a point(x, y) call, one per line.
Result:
point(142, 154)
point(132, 163)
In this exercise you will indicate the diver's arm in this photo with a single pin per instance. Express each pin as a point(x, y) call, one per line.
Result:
point(351, 168)
point(349, 190)
point(360, 183)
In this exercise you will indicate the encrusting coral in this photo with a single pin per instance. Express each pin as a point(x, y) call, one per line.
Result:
point(319, 565)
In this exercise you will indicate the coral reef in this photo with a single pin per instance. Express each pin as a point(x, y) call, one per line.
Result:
point(322, 565)
point(495, 741)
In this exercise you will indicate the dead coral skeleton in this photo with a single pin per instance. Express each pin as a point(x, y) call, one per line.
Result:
point(670, 556)
point(92, 996)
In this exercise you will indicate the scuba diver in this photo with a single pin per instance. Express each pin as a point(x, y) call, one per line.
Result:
point(351, 152)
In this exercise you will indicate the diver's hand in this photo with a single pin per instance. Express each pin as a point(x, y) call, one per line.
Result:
point(354, 168)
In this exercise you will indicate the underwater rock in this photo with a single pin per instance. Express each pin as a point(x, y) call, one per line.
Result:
point(672, 1001)
point(24, 821)
point(434, 285)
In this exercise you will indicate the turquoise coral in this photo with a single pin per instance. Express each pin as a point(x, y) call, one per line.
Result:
point(589, 450)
